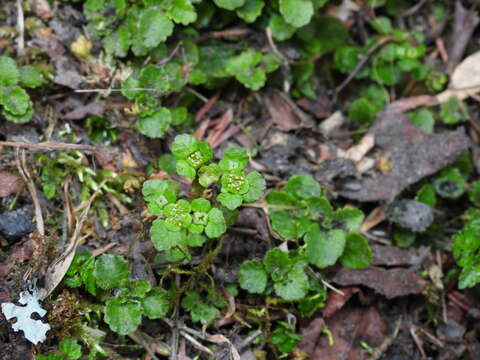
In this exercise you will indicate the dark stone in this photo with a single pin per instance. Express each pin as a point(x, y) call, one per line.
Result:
point(16, 224)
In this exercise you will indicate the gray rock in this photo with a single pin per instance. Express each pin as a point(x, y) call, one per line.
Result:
point(16, 224)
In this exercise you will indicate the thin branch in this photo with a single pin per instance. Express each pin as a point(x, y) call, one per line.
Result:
point(264, 205)
point(50, 145)
point(20, 28)
point(362, 62)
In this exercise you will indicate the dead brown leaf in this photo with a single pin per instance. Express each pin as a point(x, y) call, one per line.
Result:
point(285, 113)
point(337, 300)
point(395, 256)
point(390, 283)
point(413, 154)
point(349, 327)
point(95, 108)
point(9, 183)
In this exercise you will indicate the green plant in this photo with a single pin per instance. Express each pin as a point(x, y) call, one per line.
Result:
point(17, 106)
point(69, 348)
point(400, 55)
point(302, 215)
point(126, 301)
point(163, 37)
point(284, 337)
point(184, 222)
point(466, 250)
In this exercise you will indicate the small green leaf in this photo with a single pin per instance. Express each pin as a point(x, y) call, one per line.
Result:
point(381, 24)
point(134, 288)
point(183, 145)
point(404, 238)
point(123, 316)
point(71, 349)
point(209, 174)
point(199, 310)
point(15, 100)
point(251, 10)
point(426, 195)
point(277, 263)
point(294, 286)
point(155, 124)
point(156, 303)
point(253, 277)
point(201, 204)
point(164, 239)
point(386, 74)
point(324, 248)
point(357, 253)
point(280, 198)
point(319, 207)
point(154, 27)
point(281, 30)
point(230, 201)
point(423, 118)
point(168, 163)
point(348, 219)
point(216, 225)
point(303, 186)
point(179, 115)
point(9, 74)
point(110, 270)
point(229, 4)
point(256, 187)
point(285, 338)
point(450, 112)
point(234, 158)
point(159, 193)
point(182, 11)
point(346, 58)
point(244, 68)
point(284, 224)
point(185, 169)
point(30, 77)
point(296, 12)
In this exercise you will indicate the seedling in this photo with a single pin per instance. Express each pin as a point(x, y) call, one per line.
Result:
point(320, 236)
point(16, 103)
point(182, 223)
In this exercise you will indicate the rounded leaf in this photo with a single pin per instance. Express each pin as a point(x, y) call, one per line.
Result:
point(229, 4)
point(209, 174)
point(185, 169)
point(303, 186)
point(201, 205)
point(30, 77)
point(156, 303)
point(277, 263)
point(253, 277)
point(294, 286)
point(324, 248)
point(296, 12)
point(123, 316)
point(9, 74)
point(234, 158)
point(256, 187)
point(154, 27)
point(284, 225)
point(230, 201)
point(155, 124)
point(216, 225)
point(164, 239)
point(357, 253)
point(110, 270)
point(183, 145)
